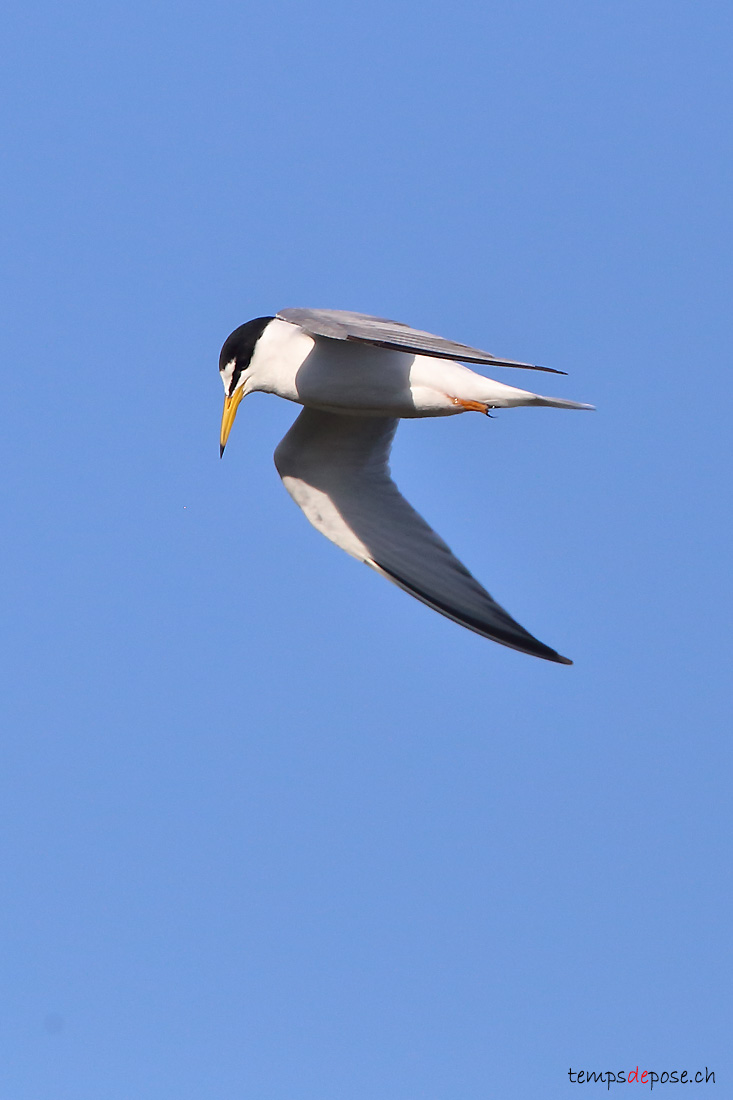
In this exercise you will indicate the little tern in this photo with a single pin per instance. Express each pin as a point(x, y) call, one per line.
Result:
point(356, 377)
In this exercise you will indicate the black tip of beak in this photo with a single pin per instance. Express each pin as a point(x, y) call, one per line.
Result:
point(221, 450)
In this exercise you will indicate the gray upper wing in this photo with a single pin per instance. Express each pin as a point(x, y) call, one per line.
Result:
point(339, 324)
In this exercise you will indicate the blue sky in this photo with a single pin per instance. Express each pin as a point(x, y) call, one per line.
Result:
point(270, 828)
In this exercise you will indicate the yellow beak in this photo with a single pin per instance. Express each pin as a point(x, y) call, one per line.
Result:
point(231, 404)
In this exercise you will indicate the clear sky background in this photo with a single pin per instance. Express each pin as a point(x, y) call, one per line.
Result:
point(270, 828)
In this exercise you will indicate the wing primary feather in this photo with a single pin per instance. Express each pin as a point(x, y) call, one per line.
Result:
point(529, 644)
point(336, 470)
point(361, 328)
point(485, 358)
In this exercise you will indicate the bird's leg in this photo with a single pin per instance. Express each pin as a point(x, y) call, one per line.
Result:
point(473, 406)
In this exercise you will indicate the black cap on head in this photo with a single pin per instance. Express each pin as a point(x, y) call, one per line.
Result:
point(239, 346)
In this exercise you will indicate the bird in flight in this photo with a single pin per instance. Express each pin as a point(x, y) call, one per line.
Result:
point(355, 377)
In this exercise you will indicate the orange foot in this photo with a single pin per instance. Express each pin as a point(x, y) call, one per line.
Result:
point(472, 406)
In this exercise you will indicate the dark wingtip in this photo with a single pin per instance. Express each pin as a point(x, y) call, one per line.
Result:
point(551, 370)
point(522, 641)
point(546, 652)
point(494, 361)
